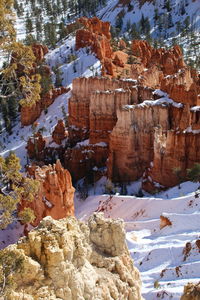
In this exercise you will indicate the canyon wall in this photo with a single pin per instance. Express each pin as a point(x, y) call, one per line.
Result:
point(172, 150)
point(56, 193)
point(108, 111)
point(92, 116)
point(69, 260)
point(132, 117)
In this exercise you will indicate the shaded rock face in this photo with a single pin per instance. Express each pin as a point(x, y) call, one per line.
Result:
point(59, 133)
point(171, 150)
point(29, 114)
point(191, 292)
point(56, 193)
point(35, 146)
point(71, 260)
point(81, 160)
point(135, 127)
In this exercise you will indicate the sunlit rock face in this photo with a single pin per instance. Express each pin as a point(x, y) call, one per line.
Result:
point(70, 260)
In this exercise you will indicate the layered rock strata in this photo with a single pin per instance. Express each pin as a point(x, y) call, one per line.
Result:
point(92, 116)
point(71, 260)
point(56, 193)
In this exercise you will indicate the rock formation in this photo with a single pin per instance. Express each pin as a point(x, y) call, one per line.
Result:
point(147, 121)
point(172, 150)
point(35, 146)
point(71, 260)
point(96, 34)
point(39, 51)
point(191, 292)
point(56, 193)
point(92, 116)
point(164, 221)
point(170, 61)
point(59, 133)
point(29, 114)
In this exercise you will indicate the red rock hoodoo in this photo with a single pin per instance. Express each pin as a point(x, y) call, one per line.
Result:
point(144, 138)
point(59, 133)
point(35, 146)
point(56, 193)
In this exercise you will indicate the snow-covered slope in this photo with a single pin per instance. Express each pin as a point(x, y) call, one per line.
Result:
point(132, 12)
point(167, 258)
point(84, 64)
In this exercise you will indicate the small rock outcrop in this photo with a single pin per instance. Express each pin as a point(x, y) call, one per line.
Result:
point(71, 260)
point(35, 146)
point(59, 133)
point(39, 51)
point(191, 292)
point(56, 193)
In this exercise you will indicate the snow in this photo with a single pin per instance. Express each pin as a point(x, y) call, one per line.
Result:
point(164, 100)
point(158, 253)
point(169, 20)
point(190, 130)
point(84, 64)
point(195, 108)
point(17, 141)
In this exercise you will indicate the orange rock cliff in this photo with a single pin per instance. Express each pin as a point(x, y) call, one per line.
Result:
point(56, 193)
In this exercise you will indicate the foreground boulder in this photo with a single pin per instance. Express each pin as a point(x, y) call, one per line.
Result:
point(71, 260)
point(191, 292)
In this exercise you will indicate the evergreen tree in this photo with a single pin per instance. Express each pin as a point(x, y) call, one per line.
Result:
point(7, 18)
point(17, 188)
point(194, 173)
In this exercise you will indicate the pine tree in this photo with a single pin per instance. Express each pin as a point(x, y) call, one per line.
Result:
point(7, 18)
point(14, 187)
point(194, 173)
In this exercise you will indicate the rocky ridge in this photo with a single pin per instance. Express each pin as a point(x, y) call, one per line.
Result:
point(71, 260)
